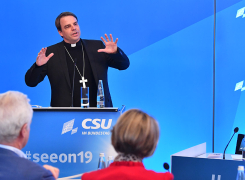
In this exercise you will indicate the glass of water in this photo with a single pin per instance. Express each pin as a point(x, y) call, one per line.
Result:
point(84, 97)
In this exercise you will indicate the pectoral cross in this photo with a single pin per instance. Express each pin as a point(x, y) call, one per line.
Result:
point(83, 81)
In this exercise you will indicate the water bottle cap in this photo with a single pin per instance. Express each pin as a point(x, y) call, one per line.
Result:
point(240, 168)
point(102, 154)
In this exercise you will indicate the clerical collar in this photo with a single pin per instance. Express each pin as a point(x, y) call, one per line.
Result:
point(69, 46)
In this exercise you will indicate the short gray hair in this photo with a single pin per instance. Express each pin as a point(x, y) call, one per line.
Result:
point(15, 111)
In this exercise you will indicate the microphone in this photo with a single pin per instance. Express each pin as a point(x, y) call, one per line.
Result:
point(235, 131)
point(166, 166)
point(75, 61)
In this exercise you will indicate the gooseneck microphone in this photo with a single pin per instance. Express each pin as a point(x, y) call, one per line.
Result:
point(235, 131)
point(75, 61)
point(166, 166)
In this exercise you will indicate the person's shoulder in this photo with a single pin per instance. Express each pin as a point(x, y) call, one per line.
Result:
point(33, 167)
point(24, 168)
point(124, 172)
point(93, 45)
point(163, 176)
point(54, 46)
point(93, 174)
point(92, 40)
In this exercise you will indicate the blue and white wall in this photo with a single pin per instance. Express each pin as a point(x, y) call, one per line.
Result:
point(170, 47)
point(230, 74)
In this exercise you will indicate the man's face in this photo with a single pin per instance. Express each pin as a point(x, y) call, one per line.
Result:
point(70, 29)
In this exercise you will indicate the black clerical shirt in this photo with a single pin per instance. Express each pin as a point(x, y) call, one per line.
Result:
point(77, 53)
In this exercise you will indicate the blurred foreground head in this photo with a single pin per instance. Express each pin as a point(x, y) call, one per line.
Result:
point(135, 133)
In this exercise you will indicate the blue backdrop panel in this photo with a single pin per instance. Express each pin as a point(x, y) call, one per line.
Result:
point(170, 46)
point(70, 140)
point(230, 99)
point(183, 102)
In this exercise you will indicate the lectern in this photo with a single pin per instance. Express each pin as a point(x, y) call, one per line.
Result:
point(71, 138)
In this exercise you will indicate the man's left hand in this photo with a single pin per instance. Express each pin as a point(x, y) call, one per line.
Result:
point(55, 171)
point(110, 46)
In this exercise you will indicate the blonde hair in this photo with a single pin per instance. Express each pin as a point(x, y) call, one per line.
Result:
point(15, 111)
point(135, 133)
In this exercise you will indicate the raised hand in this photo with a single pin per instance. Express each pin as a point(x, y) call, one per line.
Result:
point(41, 58)
point(110, 46)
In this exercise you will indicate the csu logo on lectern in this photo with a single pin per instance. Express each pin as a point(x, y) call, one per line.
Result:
point(86, 124)
point(96, 124)
point(68, 126)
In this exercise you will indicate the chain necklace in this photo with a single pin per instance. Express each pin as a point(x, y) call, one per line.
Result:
point(82, 77)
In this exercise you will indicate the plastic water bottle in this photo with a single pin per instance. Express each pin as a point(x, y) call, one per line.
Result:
point(240, 173)
point(100, 95)
point(101, 164)
point(110, 160)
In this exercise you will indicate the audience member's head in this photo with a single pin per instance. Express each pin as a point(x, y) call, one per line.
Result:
point(15, 119)
point(135, 133)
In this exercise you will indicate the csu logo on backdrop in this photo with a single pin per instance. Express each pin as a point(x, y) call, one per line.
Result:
point(240, 12)
point(96, 123)
point(239, 85)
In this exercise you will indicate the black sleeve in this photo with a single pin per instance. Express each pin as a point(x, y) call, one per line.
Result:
point(119, 60)
point(35, 75)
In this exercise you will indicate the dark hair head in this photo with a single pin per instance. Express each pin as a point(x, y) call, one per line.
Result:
point(57, 21)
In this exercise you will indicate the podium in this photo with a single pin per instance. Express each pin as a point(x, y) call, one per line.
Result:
point(71, 138)
point(193, 163)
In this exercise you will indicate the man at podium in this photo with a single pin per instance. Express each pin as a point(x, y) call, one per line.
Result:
point(75, 63)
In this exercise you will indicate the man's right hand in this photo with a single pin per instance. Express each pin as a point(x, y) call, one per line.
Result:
point(41, 58)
